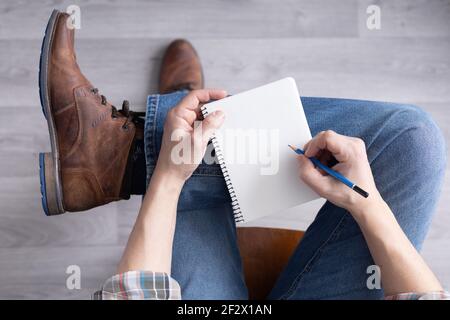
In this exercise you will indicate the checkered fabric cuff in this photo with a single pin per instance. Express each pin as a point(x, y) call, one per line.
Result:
point(139, 285)
point(437, 295)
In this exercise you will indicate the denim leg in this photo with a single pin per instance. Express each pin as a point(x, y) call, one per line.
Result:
point(407, 155)
point(206, 261)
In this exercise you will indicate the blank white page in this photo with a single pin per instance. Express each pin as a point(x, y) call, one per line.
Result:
point(274, 113)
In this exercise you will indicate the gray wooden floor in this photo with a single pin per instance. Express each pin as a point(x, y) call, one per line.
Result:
point(323, 44)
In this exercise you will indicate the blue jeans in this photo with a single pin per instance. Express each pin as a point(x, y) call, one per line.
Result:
point(407, 154)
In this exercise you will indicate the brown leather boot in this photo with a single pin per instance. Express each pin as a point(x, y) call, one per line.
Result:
point(91, 140)
point(181, 68)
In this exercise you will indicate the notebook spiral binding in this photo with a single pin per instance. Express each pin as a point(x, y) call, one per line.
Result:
point(238, 217)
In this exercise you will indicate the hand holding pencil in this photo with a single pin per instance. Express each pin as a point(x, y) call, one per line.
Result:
point(351, 173)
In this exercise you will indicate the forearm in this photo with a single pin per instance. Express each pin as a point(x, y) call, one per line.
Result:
point(149, 246)
point(402, 267)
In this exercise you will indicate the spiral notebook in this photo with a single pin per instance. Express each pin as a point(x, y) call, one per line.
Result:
point(251, 147)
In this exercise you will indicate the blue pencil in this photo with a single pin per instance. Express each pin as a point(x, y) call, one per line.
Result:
point(332, 173)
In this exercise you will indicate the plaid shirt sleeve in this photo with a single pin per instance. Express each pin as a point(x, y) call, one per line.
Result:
point(148, 285)
point(437, 295)
point(139, 285)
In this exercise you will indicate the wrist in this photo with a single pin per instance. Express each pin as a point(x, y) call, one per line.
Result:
point(167, 179)
point(365, 210)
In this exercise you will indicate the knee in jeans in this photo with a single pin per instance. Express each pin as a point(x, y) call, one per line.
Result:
point(422, 140)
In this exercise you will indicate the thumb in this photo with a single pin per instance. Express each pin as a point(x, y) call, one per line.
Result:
point(211, 123)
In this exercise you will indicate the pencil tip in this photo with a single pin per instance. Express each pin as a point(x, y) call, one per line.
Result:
point(291, 147)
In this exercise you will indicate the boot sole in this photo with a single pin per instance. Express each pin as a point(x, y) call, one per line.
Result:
point(49, 167)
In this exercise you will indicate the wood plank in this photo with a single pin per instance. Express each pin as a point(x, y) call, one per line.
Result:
point(407, 18)
point(401, 70)
point(24, 130)
point(178, 18)
point(219, 19)
point(23, 222)
point(40, 273)
point(127, 214)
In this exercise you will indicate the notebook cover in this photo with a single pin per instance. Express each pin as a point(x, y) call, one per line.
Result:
point(252, 147)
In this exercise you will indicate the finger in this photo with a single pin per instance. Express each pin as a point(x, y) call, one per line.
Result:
point(199, 113)
point(312, 177)
point(194, 98)
point(305, 147)
point(327, 158)
point(189, 115)
point(211, 123)
point(322, 157)
point(215, 94)
point(329, 140)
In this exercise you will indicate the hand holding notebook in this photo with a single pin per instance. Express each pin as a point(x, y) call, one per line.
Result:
point(251, 148)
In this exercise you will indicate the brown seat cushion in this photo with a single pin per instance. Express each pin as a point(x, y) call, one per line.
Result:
point(265, 252)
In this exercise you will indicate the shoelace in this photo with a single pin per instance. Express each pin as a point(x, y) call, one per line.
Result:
point(125, 110)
